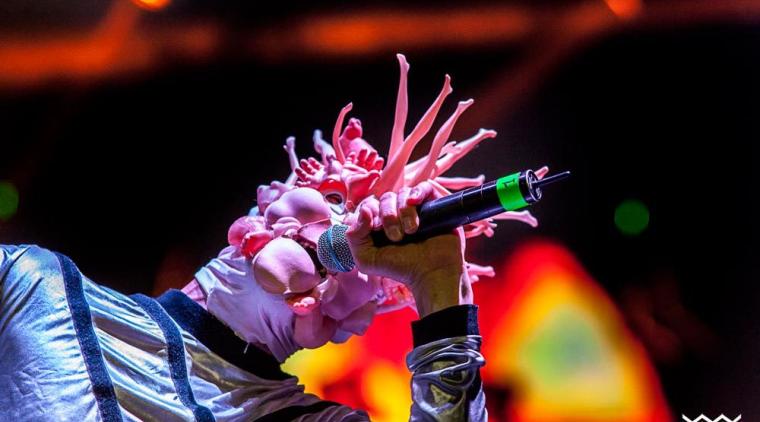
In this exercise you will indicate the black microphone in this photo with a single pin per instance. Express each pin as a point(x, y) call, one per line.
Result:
point(442, 215)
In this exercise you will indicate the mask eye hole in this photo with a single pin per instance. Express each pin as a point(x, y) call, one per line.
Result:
point(334, 198)
point(334, 193)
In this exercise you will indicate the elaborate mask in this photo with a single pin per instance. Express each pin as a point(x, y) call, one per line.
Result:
point(280, 234)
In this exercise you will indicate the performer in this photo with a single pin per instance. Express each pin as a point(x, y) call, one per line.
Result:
point(76, 350)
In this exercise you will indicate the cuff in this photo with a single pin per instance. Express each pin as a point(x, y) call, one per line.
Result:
point(455, 321)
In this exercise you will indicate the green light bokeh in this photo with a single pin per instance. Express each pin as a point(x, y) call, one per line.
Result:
point(8, 200)
point(632, 217)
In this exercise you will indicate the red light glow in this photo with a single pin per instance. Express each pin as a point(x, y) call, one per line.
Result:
point(152, 5)
point(556, 347)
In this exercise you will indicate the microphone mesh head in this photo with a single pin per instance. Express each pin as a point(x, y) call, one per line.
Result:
point(333, 251)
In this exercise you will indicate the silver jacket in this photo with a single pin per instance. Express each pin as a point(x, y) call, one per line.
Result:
point(72, 350)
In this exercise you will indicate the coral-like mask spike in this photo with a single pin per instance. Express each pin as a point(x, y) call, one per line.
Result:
point(394, 170)
point(440, 138)
point(339, 153)
point(402, 108)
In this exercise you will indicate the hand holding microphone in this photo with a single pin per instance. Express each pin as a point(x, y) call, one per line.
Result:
point(441, 215)
point(420, 226)
point(432, 268)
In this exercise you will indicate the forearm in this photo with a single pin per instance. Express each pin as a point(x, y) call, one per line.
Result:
point(445, 366)
point(440, 289)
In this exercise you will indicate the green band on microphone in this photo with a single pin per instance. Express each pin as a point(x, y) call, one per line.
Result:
point(508, 189)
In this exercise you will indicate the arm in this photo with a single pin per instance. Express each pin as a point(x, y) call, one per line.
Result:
point(446, 359)
point(445, 366)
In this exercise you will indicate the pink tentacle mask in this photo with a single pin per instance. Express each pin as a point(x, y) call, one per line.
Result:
point(274, 248)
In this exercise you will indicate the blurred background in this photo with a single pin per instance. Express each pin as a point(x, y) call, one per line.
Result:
point(135, 132)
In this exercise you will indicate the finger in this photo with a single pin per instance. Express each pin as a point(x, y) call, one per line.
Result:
point(407, 213)
point(306, 166)
point(420, 193)
point(314, 163)
point(389, 216)
point(378, 163)
point(351, 156)
point(358, 232)
point(362, 157)
point(374, 206)
point(371, 157)
point(300, 173)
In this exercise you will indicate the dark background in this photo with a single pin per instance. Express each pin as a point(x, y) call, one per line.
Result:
point(137, 174)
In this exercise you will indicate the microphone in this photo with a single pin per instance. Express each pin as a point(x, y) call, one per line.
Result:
point(442, 215)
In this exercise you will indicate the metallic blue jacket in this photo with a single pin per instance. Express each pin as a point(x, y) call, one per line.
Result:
point(72, 350)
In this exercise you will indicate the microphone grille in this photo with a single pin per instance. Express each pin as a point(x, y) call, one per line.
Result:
point(333, 251)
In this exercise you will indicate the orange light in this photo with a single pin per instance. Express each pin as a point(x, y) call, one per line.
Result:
point(115, 46)
point(393, 30)
point(625, 9)
point(152, 5)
